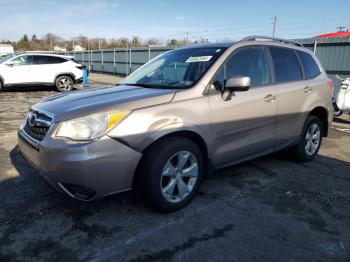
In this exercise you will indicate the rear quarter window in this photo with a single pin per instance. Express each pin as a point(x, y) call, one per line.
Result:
point(59, 60)
point(72, 59)
point(286, 65)
point(311, 68)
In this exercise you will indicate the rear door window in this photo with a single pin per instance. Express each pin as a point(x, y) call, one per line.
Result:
point(39, 60)
point(311, 69)
point(44, 60)
point(286, 65)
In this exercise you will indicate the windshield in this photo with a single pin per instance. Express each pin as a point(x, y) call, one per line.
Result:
point(180, 68)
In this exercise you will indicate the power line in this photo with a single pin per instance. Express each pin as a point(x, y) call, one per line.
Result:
point(288, 28)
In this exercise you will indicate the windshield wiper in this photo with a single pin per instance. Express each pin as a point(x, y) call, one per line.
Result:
point(138, 84)
point(153, 86)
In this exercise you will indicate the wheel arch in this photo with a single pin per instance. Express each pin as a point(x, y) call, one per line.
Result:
point(190, 135)
point(322, 114)
point(70, 74)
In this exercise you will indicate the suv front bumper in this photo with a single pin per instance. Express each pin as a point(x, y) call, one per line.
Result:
point(84, 171)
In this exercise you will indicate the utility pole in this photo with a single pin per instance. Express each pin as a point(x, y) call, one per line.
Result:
point(99, 43)
point(340, 28)
point(274, 25)
point(187, 37)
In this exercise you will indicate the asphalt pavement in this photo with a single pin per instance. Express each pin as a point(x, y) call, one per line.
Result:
point(269, 209)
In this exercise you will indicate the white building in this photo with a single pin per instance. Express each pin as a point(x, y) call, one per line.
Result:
point(78, 48)
point(57, 48)
point(6, 49)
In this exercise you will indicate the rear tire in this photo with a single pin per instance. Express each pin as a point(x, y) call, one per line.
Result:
point(310, 140)
point(170, 173)
point(64, 83)
point(1, 86)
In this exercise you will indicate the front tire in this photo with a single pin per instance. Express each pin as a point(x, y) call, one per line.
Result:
point(172, 171)
point(64, 83)
point(310, 140)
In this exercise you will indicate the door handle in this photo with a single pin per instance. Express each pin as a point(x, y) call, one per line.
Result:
point(269, 98)
point(307, 89)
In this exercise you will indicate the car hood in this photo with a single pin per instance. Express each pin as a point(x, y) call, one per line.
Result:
point(88, 101)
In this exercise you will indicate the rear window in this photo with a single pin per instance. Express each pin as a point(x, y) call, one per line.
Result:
point(311, 69)
point(286, 64)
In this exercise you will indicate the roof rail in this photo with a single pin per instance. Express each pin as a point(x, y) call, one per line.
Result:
point(255, 37)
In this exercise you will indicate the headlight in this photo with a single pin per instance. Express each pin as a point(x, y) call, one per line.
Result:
point(90, 127)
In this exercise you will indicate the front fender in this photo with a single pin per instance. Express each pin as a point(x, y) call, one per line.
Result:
point(140, 140)
point(173, 129)
point(146, 125)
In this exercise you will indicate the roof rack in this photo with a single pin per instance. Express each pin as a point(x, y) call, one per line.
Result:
point(255, 37)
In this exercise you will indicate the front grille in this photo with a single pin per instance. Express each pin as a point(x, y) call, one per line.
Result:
point(38, 133)
point(37, 129)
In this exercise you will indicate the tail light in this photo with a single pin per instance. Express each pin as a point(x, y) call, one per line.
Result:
point(79, 67)
point(330, 84)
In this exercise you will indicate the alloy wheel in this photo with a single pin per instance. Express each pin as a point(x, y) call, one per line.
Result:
point(312, 139)
point(179, 176)
point(65, 84)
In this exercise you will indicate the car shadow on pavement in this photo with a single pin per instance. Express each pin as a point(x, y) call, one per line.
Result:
point(342, 120)
point(26, 171)
point(37, 222)
point(237, 174)
point(30, 88)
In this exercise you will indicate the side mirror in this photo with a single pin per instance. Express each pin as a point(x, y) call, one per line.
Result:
point(10, 63)
point(235, 84)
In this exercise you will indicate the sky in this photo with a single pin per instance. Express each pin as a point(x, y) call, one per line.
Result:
point(165, 19)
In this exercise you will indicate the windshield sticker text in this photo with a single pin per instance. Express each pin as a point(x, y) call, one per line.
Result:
point(196, 59)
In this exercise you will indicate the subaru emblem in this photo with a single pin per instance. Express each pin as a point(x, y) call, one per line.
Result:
point(32, 119)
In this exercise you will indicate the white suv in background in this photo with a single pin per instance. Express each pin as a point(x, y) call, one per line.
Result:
point(34, 68)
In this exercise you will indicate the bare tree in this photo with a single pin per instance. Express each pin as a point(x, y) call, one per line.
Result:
point(49, 41)
point(153, 41)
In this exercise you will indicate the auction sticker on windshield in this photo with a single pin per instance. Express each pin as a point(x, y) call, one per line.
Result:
point(195, 59)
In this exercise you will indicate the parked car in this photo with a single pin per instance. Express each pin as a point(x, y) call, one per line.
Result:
point(34, 68)
point(179, 116)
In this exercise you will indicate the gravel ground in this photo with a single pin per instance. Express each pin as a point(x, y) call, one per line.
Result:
point(269, 209)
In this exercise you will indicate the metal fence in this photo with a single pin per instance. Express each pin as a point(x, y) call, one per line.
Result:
point(120, 61)
point(334, 54)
